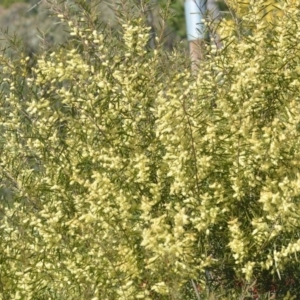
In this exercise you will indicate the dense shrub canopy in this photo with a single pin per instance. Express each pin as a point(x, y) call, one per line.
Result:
point(125, 176)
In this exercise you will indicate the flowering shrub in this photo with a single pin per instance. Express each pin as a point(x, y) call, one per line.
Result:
point(124, 176)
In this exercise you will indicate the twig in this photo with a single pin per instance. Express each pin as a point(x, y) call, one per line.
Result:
point(195, 289)
point(34, 6)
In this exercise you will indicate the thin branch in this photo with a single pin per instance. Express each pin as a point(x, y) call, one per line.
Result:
point(195, 289)
point(34, 6)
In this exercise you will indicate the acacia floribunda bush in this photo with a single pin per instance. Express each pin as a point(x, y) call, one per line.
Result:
point(123, 176)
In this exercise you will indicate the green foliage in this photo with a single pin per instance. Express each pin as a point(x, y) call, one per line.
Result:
point(123, 175)
point(177, 19)
point(7, 3)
